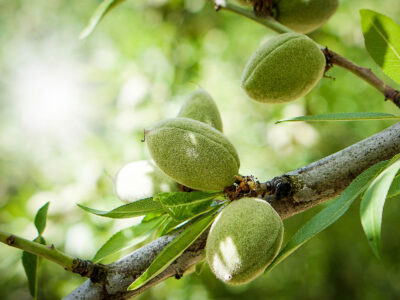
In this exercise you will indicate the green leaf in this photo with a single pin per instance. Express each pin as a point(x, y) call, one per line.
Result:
point(394, 188)
point(150, 216)
point(354, 116)
point(128, 237)
point(135, 209)
point(382, 40)
point(182, 206)
point(40, 218)
point(40, 239)
point(372, 204)
point(174, 249)
point(329, 214)
point(31, 265)
point(200, 266)
point(105, 7)
point(169, 225)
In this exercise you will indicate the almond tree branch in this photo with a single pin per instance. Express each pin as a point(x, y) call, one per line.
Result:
point(290, 193)
point(332, 57)
point(76, 265)
point(48, 252)
point(267, 21)
point(365, 74)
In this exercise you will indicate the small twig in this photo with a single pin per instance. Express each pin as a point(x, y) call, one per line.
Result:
point(85, 268)
point(48, 252)
point(332, 57)
point(264, 20)
point(365, 74)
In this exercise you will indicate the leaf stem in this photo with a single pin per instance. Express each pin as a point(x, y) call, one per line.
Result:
point(332, 57)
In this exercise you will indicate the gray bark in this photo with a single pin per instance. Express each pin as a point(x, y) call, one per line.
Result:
point(308, 186)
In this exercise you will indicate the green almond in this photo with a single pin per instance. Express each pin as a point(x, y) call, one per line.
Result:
point(283, 69)
point(243, 240)
point(193, 154)
point(305, 16)
point(200, 106)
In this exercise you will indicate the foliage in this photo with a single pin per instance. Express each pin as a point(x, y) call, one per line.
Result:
point(357, 116)
point(175, 248)
point(99, 14)
point(382, 36)
point(142, 61)
point(31, 261)
point(330, 214)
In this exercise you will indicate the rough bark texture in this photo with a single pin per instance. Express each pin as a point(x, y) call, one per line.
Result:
point(302, 189)
point(328, 177)
point(123, 272)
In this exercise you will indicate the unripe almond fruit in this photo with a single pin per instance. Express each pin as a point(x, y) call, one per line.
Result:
point(201, 107)
point(305, 16)
point(193, 154)
point(283, 69)
point(243, 240)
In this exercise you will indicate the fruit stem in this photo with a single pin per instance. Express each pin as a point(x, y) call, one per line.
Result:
point(265, 20)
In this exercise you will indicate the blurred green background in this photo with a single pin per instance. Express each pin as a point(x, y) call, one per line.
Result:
point(72, 113)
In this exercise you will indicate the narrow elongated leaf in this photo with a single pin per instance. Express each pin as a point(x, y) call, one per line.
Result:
point(169, 225)
point(150, 216)
point(353, 116)
point(30, 263)
point(101, 10)
point(200, 266)
point(329, 214)
point(394, 188)
point(41, 217)
point(372, 204)
point(174, 249)
point(128, 237)
point(382, 40)
point(135, 209)
point(182, 206)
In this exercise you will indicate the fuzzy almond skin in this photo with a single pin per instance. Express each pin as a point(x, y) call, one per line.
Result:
point(201, 107)
point(243, 240)
point(304, 16)
point(193, 154)
point(283, 69)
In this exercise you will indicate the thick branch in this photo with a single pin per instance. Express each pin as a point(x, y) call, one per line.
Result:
point(328, 177)
point(302, 189)
point(122, 273)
